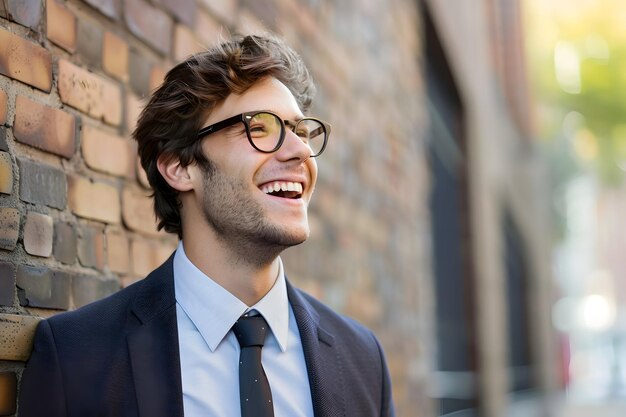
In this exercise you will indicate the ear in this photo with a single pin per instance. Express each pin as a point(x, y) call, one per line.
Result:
point(174, 173)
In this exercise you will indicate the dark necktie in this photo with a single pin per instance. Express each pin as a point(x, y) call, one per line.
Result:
point(255, 395)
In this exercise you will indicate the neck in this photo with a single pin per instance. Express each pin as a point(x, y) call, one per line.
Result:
point(247, 274)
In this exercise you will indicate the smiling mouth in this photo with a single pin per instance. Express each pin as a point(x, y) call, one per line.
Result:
point(283, 189)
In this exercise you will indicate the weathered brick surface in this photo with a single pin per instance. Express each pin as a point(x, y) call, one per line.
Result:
point(150, 24)
point(64, 247)
point(42, 184)
point(88, 288)
point(7, 283)
point(9, 227)
point(133, 110)
point(89, 45)
point(16, 336)
point(24, 61)
point(61, 25)
point(44, 127)
point(3, 140)
point(108, 153)
point(93, 200)
point(208, 29)
point(183, 10)
point(90, 93)
point(138, 211)
point(226, 10)
point(38, 234)
point(185, 43)
point(110, 8)
point(118, 253)
point(25, 12)
point(139, 68)
point(43, 287)
point(3, 107)
point(157, 75)
point(8, 393)
point(144, 257)
point(6, 173)
point(91, 246)
point(115, 56)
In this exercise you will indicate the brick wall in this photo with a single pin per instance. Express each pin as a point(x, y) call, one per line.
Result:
point(75, 220)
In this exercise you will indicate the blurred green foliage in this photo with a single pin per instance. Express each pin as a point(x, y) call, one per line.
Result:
point(577, 57)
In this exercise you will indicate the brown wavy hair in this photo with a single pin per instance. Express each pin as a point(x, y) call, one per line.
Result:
point(168, 125)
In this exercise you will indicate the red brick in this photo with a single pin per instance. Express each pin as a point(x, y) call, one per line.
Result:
point(3, 140)
point(89, 288)
point(93, 200)
point(24, 61)
point(89, 42)
point(108, 153)
point(3, 107)
point(149, 24)
point(115, 56)
point(209, 30)
point(16, 333)
point(42, 184)
point(118, 256)
point(8, 393)
point(134, 106)
point(61, 25)
point(45, 128)
point(90, 93)
point(226, 10)
point(9, 227)
point(38, 231)
point(138, 211)
point(25, 12)
point(139, 68)
point(91, 246)
point(248, 23)
point(6, 173)
point(7, 284)
point(110, 8)
point(185, 43)
point(144, 257)
point(183, 10)
point(64, 247)
point(157, 75)
point(43, 287)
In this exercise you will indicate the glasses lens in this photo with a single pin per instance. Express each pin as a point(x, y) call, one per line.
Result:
point(265, 131)
point(313, 133)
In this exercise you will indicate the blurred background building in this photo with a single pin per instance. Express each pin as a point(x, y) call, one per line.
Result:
point(449, 179)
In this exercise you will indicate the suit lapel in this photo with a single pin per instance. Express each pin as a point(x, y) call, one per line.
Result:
point(321, 357)
point(153, 346)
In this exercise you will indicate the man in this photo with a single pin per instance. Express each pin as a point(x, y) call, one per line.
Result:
point(229, 154)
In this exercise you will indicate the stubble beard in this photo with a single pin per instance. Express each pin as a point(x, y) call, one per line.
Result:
point(239, 220)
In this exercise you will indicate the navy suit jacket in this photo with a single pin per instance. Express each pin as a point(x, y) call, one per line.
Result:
point(119, 357)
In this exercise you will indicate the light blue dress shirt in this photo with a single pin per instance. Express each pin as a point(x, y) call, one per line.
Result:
point(209, 351)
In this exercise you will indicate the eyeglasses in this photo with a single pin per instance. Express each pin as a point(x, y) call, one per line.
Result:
point(266, 130)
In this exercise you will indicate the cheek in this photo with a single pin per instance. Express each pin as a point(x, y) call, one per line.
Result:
point(312, 165)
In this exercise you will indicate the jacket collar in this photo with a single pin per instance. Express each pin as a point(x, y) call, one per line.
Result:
point(153, 346)
point(155, 357)
point(322, 360)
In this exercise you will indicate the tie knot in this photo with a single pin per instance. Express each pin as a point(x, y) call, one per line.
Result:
point(250, 331)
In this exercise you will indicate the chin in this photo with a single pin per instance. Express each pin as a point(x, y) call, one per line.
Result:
point(291, 236)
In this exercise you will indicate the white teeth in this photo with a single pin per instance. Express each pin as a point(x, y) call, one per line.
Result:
point(282, 186)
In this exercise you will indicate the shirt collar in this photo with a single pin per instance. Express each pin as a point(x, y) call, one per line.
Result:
point(214, 310)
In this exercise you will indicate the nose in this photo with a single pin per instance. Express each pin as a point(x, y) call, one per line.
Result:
point(293, 148)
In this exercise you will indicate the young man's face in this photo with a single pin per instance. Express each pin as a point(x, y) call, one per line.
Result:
point(233, 194)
